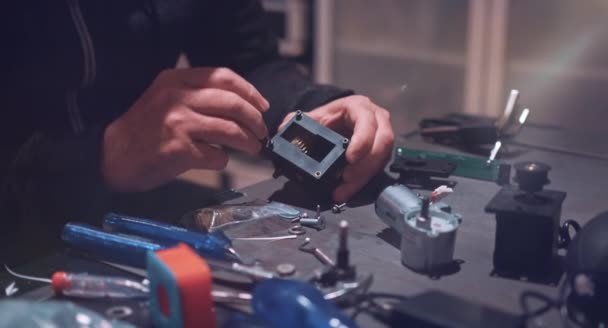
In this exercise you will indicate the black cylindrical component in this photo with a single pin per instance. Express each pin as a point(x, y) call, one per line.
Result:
point(531, 176)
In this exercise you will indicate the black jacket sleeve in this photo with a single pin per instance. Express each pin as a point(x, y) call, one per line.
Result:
point(241, 38)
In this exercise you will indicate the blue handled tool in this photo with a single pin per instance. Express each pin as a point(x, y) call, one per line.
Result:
point(296, 304)
point(108, 246)
point(215, 244)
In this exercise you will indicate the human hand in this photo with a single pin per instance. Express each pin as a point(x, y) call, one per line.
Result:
point(179, 123)
point(371, 143)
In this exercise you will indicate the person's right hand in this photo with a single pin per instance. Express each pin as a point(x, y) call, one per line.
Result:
point(181, 122)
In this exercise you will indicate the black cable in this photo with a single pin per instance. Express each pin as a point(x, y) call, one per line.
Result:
point(549, 303)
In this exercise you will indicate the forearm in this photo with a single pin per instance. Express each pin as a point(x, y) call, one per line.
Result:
point(56, 178)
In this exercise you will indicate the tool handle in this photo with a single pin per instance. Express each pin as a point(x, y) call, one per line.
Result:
point(108, 246)
point(93, 286)
point(207, 245)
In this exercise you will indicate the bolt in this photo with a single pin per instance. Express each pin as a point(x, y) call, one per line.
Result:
point(318, 211)
point(338, 208)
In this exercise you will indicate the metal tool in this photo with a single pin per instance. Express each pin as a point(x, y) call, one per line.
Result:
point(428, 231)
point(318, 253)
point(337, 208)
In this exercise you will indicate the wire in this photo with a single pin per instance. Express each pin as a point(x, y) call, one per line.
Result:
point(22, 276)
point(549, 304)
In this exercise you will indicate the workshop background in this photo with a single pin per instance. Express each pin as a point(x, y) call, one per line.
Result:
point(423, 58)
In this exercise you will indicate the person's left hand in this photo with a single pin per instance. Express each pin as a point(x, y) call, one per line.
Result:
point(371, 143)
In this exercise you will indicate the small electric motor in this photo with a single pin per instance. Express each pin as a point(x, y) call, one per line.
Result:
point(428, 230)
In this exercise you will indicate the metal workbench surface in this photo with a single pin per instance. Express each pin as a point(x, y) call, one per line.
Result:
point(375, 248)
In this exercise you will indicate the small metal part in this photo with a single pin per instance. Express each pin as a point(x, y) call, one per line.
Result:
point(318, 212)
point(292, 236)
point(221, 296)
point(494, 152)
point(343, 252)
point(337, 208)
point(318, 253)
point(296, 230)
point(286, 269)
point(234, 254)
point(119, 312)
point(253, 272)
point(11, 289)
point(318, 224)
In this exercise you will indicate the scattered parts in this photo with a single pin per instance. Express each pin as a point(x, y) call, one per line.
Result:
point(338, 208)
point(11, 289)
point(285, 269)
point(318, 253)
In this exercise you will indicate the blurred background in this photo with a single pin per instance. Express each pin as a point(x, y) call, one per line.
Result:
point(425, 58)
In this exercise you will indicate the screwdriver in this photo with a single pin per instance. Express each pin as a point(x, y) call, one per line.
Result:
point(132, 250)
point(90, 286)
point(215, 244)
point(95, 286)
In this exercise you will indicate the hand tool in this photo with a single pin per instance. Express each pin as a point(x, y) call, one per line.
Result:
point(132, 250)
point(214, 244)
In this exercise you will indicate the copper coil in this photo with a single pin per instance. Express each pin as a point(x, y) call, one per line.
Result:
point(301, 144)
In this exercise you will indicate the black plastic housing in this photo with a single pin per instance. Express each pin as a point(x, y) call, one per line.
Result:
point(527, 227)
point(309, 153)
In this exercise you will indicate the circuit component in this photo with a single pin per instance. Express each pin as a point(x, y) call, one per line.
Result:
point(428, 230)
point(527, 223)
point(309, 153)
point(464, 166)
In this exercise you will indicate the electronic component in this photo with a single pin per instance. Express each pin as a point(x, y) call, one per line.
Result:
point(587, 270)
point(464, 166)
point(527, 223)
point(309, 153)
point(428, 231)
point(418, 171)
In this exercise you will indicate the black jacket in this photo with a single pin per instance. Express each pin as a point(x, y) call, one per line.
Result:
point(69, 67)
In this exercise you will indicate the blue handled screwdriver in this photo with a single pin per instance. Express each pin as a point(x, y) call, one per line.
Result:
point(214, 244)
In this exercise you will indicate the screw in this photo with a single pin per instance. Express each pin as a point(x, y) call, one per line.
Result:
point(338, 208)
point(318, 211)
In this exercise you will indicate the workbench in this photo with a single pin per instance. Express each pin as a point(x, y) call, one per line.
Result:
point(375, 248)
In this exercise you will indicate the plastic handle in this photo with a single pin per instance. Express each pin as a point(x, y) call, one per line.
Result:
point(207, 245)
point(296, 304)
point(108, 246)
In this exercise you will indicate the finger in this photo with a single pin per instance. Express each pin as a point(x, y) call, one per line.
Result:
point(218, 131)
point(357, 116)
point(357, 175)
point(286, 119)
point(209, 157)
point(228, 105)
point(225, 79)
